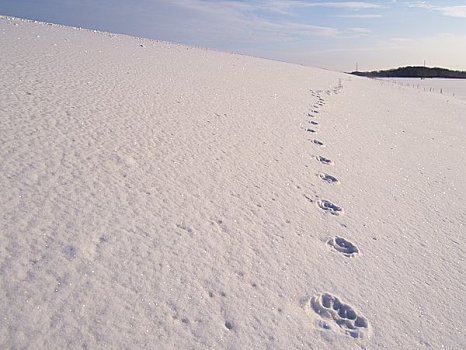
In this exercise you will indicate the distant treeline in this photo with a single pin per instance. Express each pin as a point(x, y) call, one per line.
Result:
point(414, 72)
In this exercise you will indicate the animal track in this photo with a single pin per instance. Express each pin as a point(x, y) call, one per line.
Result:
point(311, 130)
point(343, 246)
point(329, 178)
point(318, 143)
point(329, 207)
point(314, 122)
point(350, 321)
point(324, 160)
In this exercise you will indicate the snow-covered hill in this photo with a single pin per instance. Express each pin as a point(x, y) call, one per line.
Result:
point(166, 197)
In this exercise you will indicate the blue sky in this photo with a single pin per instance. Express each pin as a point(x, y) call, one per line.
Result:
point(329, 34)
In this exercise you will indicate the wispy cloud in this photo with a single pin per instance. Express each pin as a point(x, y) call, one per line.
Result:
point(291, 28)
point(421, 4)
point(452, 11)
point(354, 5)
point(280, 6)
point(358, 30)
point(360, 15)
point(244, 16)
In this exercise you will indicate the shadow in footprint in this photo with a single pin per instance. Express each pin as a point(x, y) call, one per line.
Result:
point(343, 246)
point(329, 178)
point(349, 321)
point(329, 207)
point(324, 160)
point(311, 130)
point(318, 143)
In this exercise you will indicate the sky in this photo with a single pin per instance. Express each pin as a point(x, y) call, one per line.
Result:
point(336, 35)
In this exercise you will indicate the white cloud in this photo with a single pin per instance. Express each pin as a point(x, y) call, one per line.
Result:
point(295, 28)
point(358, 30)
point(280, 6)
point(355, 5)
point(217, 7)
point(286, 5)
point(360, 15)
point(241, 17)
point(421, 4)
point(451, 11)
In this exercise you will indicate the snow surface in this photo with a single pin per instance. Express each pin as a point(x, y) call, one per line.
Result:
point(449, 87)
point(168, 197)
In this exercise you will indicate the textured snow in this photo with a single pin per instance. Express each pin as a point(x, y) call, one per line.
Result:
point(161, 196)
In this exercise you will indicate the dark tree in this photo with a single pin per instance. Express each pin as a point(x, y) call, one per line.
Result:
point(414, 72)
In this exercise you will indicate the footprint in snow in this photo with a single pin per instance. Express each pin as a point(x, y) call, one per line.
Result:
point(329, 207)
point(311, 130)
point(324, 160)
point(348, 320)
point(343, 246)
point(314, 122)
point(328, 178)
point(318, 143)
